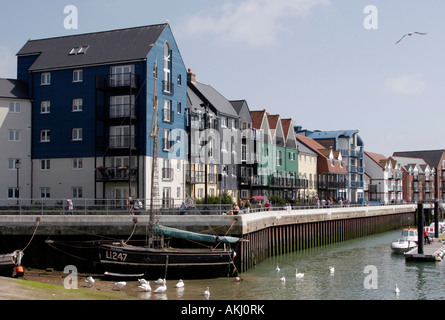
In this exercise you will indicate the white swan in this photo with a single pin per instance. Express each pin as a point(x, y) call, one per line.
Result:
point(90, 281)
point(332, 270)
point(396, 289)
point(207, 293)
point(283, 279)
point(145, 286)
point(142, 281)
point(160, 281)
point(298, 275)
point(180, 284)
point(161, 288)
point(120, 285)
point(277, 268)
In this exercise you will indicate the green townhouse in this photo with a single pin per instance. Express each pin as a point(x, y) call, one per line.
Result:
point(276, 169)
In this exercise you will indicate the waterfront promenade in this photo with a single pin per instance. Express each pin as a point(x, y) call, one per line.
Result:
point(222, 224)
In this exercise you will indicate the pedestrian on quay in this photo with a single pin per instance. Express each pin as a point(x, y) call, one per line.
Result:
point(236, 209)
point(69, 207)
point(130, 206)
point(267, 205)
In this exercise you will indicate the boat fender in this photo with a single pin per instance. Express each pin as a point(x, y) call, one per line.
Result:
point(19, 271)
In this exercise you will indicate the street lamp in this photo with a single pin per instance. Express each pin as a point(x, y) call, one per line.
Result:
point(17, 167)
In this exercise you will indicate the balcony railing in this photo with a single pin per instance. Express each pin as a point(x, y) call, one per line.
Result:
point(116, 174)
point(122, 141)
point(121, 111)
point(167, 174)
point(195, 177)
point(167, 86)
point(120, 80)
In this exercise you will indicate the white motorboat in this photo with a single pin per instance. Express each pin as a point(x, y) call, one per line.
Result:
point(407, 242)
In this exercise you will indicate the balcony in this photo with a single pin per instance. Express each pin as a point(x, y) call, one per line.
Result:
point(259, 180)
point(167, 174)
point(122, 142)
point(195, 177)
point(168, 87)
point(116, 174)
point(116, 81)
point(116, 111)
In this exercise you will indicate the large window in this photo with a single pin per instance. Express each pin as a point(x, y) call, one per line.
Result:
point(168, 87)
point(122, 76)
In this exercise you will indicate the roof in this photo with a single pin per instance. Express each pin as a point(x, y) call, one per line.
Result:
point(13, 89)
point(102, 47)
point(335, 134)
point(257, 118)
point(216, 99)
point(431, 157)
point(323, 161)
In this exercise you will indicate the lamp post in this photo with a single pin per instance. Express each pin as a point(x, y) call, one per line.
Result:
point(17, 167)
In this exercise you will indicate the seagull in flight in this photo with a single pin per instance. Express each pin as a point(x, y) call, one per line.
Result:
point(410, 34)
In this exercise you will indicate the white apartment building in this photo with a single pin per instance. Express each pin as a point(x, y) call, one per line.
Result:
point(15, 142)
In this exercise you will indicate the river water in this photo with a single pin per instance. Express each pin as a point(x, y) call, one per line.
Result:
point(365, 269)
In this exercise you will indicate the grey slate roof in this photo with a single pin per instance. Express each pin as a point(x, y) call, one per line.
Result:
point(432, 157)
point(216, 99)
point(13, 89)
point(103, 47)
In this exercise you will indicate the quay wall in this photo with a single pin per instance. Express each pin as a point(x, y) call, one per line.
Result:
point(263, 234)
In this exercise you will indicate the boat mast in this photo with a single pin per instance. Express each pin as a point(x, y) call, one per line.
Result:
point(154, 135)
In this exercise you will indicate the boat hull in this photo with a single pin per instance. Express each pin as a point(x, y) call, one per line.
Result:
point(185, 263)
point(402, 246)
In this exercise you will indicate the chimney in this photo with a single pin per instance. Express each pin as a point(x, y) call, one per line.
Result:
point(191, 77)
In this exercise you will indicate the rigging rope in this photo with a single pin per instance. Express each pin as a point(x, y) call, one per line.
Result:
point(33, 234)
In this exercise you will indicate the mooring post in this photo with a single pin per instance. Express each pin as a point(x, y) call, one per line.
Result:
point(420, 228)
point(436, 219)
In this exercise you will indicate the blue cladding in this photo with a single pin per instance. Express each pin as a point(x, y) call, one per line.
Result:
point(61, 120)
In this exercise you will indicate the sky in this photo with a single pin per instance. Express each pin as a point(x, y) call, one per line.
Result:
point(327, 64)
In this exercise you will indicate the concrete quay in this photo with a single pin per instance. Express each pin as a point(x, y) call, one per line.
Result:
point(233, 225)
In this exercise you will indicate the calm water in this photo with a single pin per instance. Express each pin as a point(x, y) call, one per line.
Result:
point(424, 280)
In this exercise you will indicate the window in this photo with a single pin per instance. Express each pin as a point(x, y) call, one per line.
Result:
point(77, 134)
point(77, 163)
point(279, 158)
point(13, 193)
point(77, 75)
point(224, 122)
point(45, 136)
point(179, 79)
point(77, 192)
point(200, 193)
point(167, 111)
point(122, 76)
point(77, 105)
point(167, 139)
point(167, 68)
point(15, 107)
point(12, 164)
point(121, 106)
point(45, 164)
point(45, 192)
point(45, 107)
point(291, 156)
point(179, 108)
point(45, 78)
point(14, 135)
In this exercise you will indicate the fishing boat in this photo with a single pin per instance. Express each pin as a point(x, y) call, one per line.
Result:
point(406, 242)
point(153, 258)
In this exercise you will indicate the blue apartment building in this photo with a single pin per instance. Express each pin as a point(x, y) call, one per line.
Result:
point(92, 112)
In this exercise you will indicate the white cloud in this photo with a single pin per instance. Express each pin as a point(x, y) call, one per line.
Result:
point(8, 63)
point(407, 84)
point(256, 22)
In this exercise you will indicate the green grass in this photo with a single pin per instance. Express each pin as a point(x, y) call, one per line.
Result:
point(49, 291)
